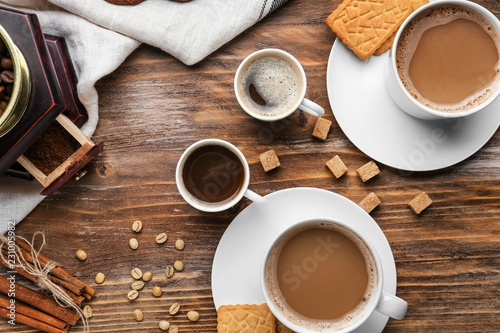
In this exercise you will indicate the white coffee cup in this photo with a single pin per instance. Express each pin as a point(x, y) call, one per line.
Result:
point(302, 103)
point(395, 86)
point(378, 300)
point(214, 207)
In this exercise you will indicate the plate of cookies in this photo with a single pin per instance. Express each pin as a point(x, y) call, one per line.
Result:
point(364, 109)
point(236, 270)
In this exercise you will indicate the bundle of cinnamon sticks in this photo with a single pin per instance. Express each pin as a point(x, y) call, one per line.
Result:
point(40, 311)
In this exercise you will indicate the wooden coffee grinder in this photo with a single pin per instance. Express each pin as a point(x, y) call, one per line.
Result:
point(39, 125)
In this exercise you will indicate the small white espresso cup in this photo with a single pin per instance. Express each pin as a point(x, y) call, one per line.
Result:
point(377, 299)
point(302, 103)
point(214, 207)
point(395, 86)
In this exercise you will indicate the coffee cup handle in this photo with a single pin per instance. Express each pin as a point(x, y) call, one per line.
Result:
point(251, 195)
point(312, 108)
point(392, 306)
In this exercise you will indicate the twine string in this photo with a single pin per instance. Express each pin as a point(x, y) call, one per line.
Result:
point(41, 273)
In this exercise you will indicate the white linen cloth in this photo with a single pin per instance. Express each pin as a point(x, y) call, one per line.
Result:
point(101, 35)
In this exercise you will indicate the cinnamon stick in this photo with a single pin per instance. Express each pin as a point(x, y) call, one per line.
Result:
point(77, 299)
point(58, 271)
point(34, 313)
point(39, 301)
point(65, 285)
point(31, 322)
point(76, 290)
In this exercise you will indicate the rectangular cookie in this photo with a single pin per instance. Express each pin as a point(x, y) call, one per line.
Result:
point(245, 318)
point(363, 25)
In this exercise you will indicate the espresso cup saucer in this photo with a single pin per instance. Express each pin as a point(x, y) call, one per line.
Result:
point(375, 125)
point(237, 261)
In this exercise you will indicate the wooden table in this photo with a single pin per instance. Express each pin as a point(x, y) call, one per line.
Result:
point(153, 107)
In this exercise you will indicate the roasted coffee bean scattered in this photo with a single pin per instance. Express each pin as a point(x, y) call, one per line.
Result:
point(157, 291)
point(7, 63)
point(174, 308)
point(164, 325)
point(138, 315)
point(193, 315)
point(147, 276)
point(136, 273)
point(169, 272)
point(179, 244)
point(178, 265)
point(82, 255)
point(133, 294)
point(6, 76)
point(137, 226)
point(99, 278)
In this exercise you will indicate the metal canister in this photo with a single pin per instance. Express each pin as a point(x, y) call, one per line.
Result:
point(21, 87)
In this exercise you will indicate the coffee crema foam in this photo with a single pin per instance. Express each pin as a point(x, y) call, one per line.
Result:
point(272, 284)
point(409, 42)
point(277, 80)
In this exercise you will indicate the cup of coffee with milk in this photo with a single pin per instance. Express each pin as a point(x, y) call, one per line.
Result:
point(271, 84)
point(323, 275)
point(444, 62)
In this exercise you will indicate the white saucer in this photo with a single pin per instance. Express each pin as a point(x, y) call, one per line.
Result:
point(236, 266)
point(374, 123)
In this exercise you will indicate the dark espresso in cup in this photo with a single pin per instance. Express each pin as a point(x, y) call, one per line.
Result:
point(270, 85)
point(448, 58)
point(321, 277)
point(213, 174)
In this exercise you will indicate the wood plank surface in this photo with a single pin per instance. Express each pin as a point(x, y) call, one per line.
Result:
point(153, 107)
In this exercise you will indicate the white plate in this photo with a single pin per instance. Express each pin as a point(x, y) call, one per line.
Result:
point(374, 123)
point(236, 266)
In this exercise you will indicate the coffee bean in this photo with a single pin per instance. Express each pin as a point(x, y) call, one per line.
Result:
point(169, 272)
point(136, 273)
point(193, 315)
point(178, 265)
point(6, 63)
point(7, 77)
point(138, 316)
point(82, 255)
point(173, 329)
point(87, 311)
point(133, 294)
point(134, 244)
point(157, 291)
point(137, 226)
point(99, 278)
point(179, 244)
point(161, 238)
point(137, 285)
point(147, 276)
point(174, 308)
point(3, 105)
point(164, 325)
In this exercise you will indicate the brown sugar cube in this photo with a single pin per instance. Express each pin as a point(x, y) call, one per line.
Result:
point(368, 171)
point(269, 160)
point(370, 202)
point(251, 318)
point(336, 166)
point(420, 202)
point(322, 128)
